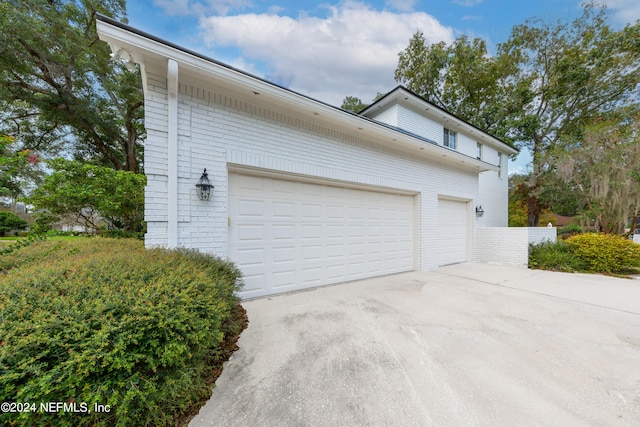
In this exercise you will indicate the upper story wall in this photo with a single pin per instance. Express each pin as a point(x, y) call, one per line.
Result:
point(410, 120)
point(412, 114)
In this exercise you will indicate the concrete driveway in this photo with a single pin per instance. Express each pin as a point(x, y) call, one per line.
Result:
point(466, 345)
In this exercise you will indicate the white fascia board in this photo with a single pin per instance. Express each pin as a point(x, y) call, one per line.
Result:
point(146, 50)
point(402, 96)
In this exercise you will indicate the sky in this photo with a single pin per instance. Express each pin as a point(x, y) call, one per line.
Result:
point(332, 49)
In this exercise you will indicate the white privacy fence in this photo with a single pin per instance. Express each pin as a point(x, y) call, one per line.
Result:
point(508, 245)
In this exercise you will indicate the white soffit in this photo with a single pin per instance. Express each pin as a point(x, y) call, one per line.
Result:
point(150, 52)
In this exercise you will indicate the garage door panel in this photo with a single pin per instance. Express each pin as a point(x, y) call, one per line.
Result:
point(313, 234)
point(282, 279)
point(311, 231)
point(335, 231)
point(452, 231)
point(283, 232)
point(251, 232)
point(335, 212)
point(251, 208)
point(281, 186)
point(281, 254)
point(252, 282)
point(311, 211)
point(286, 210)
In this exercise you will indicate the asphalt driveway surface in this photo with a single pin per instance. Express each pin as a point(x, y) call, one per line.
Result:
point(466, 345)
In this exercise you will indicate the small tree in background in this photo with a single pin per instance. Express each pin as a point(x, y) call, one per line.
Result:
point(18, 168)
point(10, 221)
point(88, 193)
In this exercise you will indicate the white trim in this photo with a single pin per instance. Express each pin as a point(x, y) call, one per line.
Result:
point(251, 89)
point(289, 176)
point(172, 153)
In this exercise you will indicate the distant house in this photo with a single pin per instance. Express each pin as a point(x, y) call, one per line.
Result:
point(306, 194)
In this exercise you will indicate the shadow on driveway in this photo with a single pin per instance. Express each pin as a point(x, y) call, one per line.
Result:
point(468, 344)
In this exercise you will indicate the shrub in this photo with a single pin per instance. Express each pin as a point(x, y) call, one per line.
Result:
point(43, 222)
point(605, 253)
point(102, 321)
point(557, 256)
point(10, 221)
point(570, 229)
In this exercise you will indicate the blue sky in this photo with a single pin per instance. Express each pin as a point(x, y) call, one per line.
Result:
point(331, 49)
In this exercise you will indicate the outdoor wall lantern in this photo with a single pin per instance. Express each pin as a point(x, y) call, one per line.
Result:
point(203, 187)
point(479, 210)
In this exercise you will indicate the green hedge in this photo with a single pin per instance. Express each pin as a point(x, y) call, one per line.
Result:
point(590, 252)
point(103, 321)
point(556, 256)
point(605, 253)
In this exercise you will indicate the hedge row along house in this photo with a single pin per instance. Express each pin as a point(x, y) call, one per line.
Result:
point(306, 194)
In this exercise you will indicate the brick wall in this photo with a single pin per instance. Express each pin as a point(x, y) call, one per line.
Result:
point(508, 245)
point(217, 131)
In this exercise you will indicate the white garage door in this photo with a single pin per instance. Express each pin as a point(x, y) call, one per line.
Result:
point(453, 217)
point(288, 235)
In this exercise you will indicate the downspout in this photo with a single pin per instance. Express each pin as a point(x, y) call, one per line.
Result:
point(172, 154)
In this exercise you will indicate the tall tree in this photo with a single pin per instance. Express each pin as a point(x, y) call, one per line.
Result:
point(463, 79)
point(604, 167)
point(544, 82)
point(567, 73)
point(58, 83)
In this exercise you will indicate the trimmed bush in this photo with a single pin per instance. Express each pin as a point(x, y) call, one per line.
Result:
point(605, 253)
point(556, 256)
point(104, 321)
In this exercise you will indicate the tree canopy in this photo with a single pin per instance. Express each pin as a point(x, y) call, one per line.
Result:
point(89, 193)
point(59, 89)
point(567, 74)
point(604, 167)
point(545, 82)
point(461, 78)
point(18, 168)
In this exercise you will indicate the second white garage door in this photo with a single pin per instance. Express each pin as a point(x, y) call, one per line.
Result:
point(453, 224)
point(288, 235)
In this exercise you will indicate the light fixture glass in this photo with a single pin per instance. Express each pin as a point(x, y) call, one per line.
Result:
point(203, 187)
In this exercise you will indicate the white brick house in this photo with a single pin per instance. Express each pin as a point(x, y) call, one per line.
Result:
point(306, 194)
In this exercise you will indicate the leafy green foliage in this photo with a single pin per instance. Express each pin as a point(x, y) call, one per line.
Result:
point(85, 190)
point(16, 167)
point(543, 83)
point(353, 104)
point(58, 83)
point(589, 252)
point(42, 222)
point(104, 321)
point(462, 78)
point(602, 165)
point(517, 213)
point(605, 253)
point(10, 221)
point(556, 256)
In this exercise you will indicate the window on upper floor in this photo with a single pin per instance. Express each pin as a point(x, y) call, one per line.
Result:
point(499, 165)
point(450, 139)
point(479, 152)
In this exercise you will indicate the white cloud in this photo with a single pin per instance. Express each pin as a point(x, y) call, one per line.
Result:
point(199, 8)
point(352, 51)
point(467, 3)
point(402, 5)
point(624, 11)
